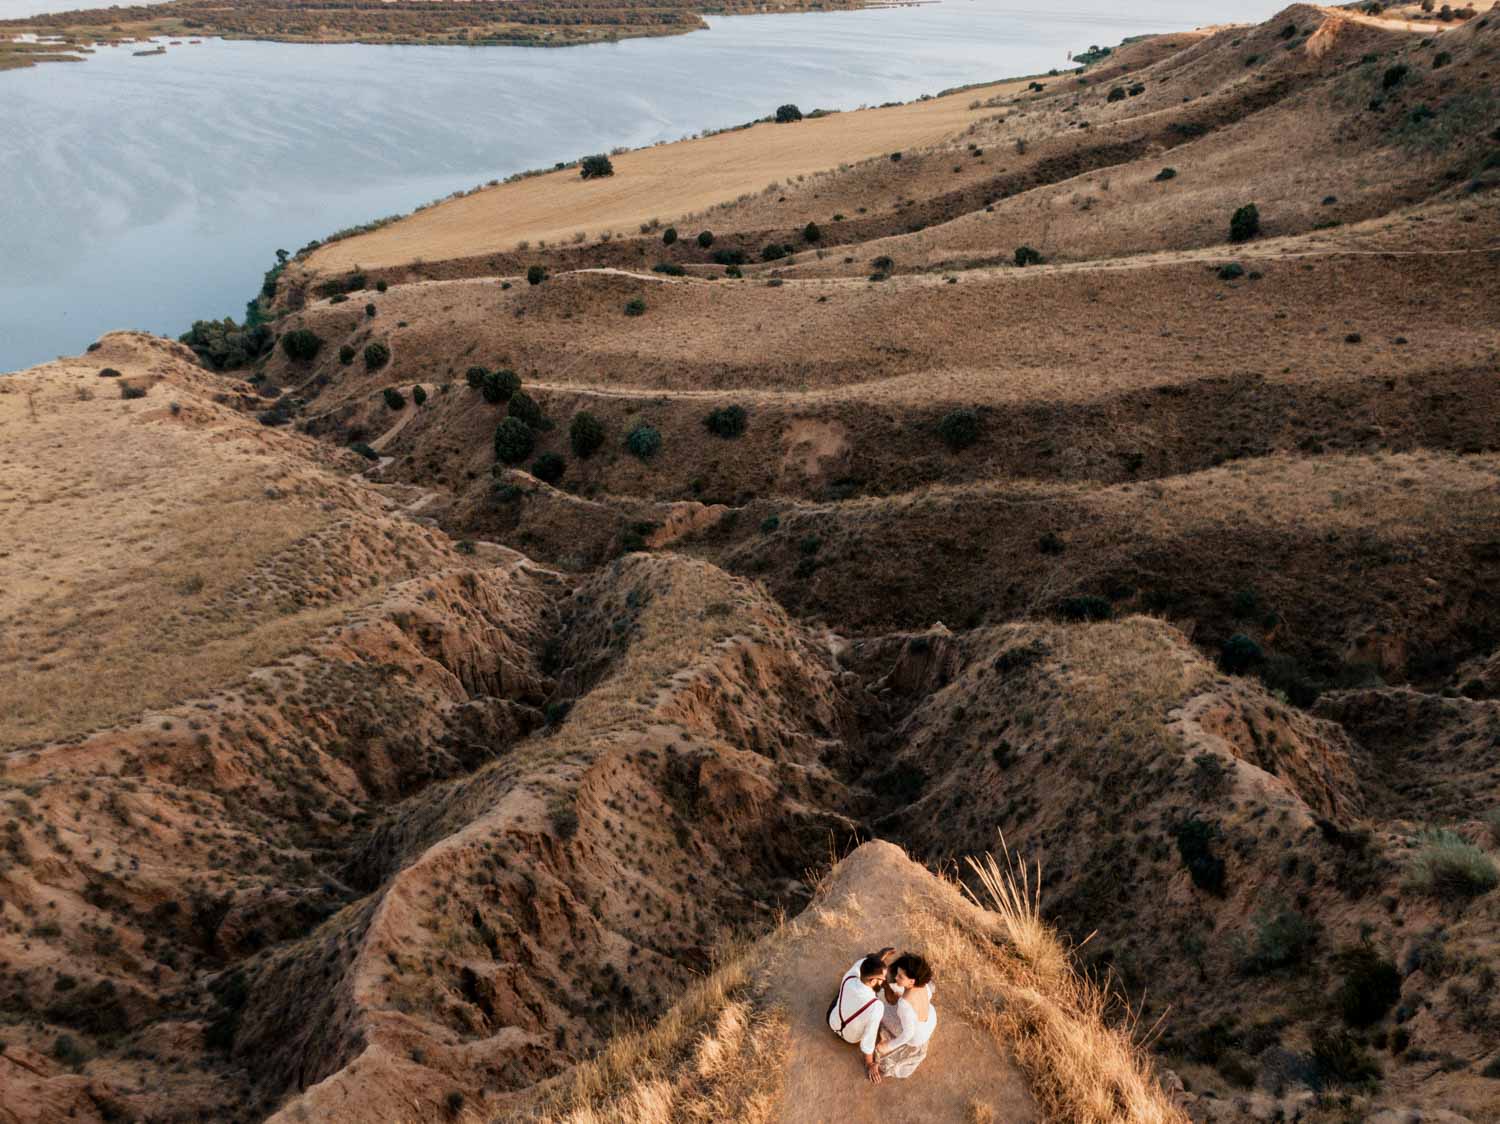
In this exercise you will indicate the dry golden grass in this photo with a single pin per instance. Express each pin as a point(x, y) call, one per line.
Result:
point(660, 182)
point(1084, 1066)
point(713, 1056)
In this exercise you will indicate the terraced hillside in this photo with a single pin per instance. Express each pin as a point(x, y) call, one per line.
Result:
point(489, 660)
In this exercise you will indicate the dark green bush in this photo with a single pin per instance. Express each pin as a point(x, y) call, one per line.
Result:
point(525, 408)
point(394, 398)
point(728, 256)
point(1441, 59)
point(381, 286)
point(347, 354)
point(788, 113)
point(592, 167)
point(474, 376)
point(365, 451)
point(644, 441)
point(130, 390)
point(535, 274)
point(418, 394)
point(585, 434)
point(1050, 543)
point(1244, 224)
point(671, 269)
point(773, 252)
point(811, 233)
point(1166, 174)
point(1231, 271)
point(705, 238)
point(377, 355)
point(1282, 940)
point(1239, 654)
point(513, 441)
point(959, 429)
point(727, 421)
point(1025, 255)
point(1116, 94)
point(301, 344)
point(549, 467)
point(1394, 75)
point(225, 345)
point(369, 310)
point(1370, 987)
point(635, 307)
point(1086, 607)
point(883, 264)
point(499, 386)
point(1195, 848)
point(669, 236)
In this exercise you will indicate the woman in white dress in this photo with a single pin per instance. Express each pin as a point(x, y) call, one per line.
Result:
point(910, 1017)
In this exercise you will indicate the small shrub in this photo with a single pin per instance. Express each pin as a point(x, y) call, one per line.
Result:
point(705, 239)
point(811, 233)
point(365, 451)
point(1025, 255)
point(301, 344)
point(1394, 75)
point(1195, 847)
point(1116, 94)
point(1441, 59)
point(418, 394)
point(549, 467)
point(535, 274)
point(726, 256)
point(1342, 1059)
point(1050, 543)
point(773, 252)
point(1370, 987)
point(671, 269)
point(727, 421)
point(499, 386)
point(1239, 654)
point(130, 390)
point(1244, 224)
point(788, 113)
point(644, 441)
point(669, 236)
point(1231, 271)
point(381, 286)
point(394, 399)
point(769, 524)
point(1166, 174)
point(1447, 866)
point(593, 167)
point(959, 429)
point(585, 434)
point(369, 310)
point(1281, 941)
point(377, 355)
point(883, 264)
point(525, 408)
point(513, 441)
point(347, 354)
point(474, 376)
point(635, 307)
point(1085, 607)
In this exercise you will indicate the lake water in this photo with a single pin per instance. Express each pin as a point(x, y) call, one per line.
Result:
point(150, 192)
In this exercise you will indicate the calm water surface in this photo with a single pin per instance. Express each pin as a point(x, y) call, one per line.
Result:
point(150, 192)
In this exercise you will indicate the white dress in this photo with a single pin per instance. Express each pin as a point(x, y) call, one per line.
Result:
point(906, 1037)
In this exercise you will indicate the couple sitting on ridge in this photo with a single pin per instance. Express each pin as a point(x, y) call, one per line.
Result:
point(884, 1004)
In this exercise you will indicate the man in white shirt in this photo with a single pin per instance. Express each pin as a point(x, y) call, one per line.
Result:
point(856, 1011)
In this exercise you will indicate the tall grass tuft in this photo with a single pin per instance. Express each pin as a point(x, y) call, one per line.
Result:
point(1449, 866)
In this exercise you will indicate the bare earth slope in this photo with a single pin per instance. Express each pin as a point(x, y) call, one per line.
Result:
point(453, 711)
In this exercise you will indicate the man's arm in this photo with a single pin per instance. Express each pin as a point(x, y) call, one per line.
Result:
point(867, 1046)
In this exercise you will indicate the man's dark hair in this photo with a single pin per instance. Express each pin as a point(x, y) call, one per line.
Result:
point(871, 965)
point(914, 966)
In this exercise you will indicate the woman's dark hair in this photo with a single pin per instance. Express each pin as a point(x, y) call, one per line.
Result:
point(914, 966)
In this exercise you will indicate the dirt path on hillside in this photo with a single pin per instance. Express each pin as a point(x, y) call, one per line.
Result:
point(869, 902)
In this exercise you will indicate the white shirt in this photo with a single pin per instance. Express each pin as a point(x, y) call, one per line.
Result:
point(913, 1033)
point(854, 993)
